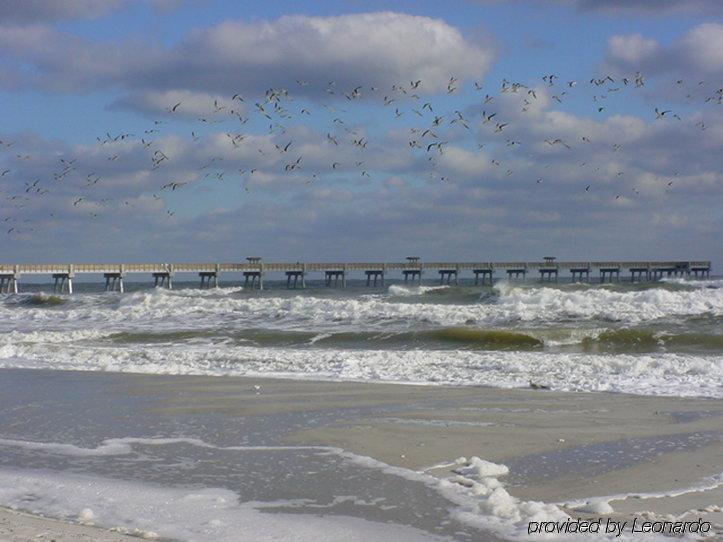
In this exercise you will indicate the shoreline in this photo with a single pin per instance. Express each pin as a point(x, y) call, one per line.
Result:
point(19, 526)
point(648, 457)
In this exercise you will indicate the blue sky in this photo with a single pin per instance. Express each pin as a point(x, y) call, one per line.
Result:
point(578, 169)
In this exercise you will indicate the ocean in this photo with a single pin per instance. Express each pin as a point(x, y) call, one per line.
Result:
point(101, 423)
point(662, 338)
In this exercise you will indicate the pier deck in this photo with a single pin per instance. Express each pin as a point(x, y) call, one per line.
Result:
point(254, 268)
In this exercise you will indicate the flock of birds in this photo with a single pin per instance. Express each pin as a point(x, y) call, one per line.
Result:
point(428, 139)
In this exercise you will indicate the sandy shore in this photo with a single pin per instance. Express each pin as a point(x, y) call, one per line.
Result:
point(656, 454)
point(20, 527)
point(581, 445)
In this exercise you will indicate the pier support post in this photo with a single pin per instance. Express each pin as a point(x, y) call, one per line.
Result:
point(517, 272)
point(113, 282)
point(373, 275)
point(610, 272)
point(8, 283)
point(209, 279)
point(412, 269)
point(253, 280)
point(295, 275)
point(550, 274)
point(485, 272)
point(335, 276)
point(579, 272)
point(700, 271)
point(63, 283)
point(447, 274)
point(164, 279)
point(256, 277)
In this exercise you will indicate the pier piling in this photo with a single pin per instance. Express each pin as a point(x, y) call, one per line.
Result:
point(412, 270)
point(449, 275)
point(113, 282)
point(62, 283)
point(374, 275)
point(639, 273)
point(579, 272)
point(8, 283)
point(296, 275)
point(517, 273)
point(209, 279)
point(163, 280)
point(609, 272)
point(335, 276)
point(255, 278)
point(486, 273)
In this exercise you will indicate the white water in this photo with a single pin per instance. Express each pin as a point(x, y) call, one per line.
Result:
point(200, 514)
point(150, 510)
point(186, 308)
point(645, 374)
point(75, 335)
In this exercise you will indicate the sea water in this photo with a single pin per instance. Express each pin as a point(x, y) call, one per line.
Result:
point(89, 447)
point(662, 338)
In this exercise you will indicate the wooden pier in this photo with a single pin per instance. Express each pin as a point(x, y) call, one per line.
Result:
point(411, 269)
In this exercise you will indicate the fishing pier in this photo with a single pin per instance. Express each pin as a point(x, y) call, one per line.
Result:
point(412, 269)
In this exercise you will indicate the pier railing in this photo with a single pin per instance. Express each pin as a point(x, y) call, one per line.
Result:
point(254, 269)
point(195, 267)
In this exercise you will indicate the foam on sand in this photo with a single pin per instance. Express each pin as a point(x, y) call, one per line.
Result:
point(217, 514)
point(601, 505)
point(201, 514)
point(483, 502)
point(150, 510)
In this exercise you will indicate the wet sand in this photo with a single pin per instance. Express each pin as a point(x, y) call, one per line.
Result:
point(560, 447)
point(19, 527)
point(564, 448)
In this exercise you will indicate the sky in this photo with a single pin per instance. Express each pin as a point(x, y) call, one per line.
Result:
point(205, 130)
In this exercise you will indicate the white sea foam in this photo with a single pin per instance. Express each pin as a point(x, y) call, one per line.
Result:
point(480, 498)
point(74, 335)
point(124, 446)
point(479, 468)
point(601, 505)
point(201, 514)
point(161, 309)
point(406, 291)
point(694, 283)
point(645, 374)
point(483, 502)
point(632, 306)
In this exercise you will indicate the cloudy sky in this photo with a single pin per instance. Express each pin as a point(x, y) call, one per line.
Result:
point(203, 130)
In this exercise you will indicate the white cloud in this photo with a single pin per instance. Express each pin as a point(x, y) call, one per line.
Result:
point(697, 53)
point(370, 49)
point(189, 104)
point(632, 49)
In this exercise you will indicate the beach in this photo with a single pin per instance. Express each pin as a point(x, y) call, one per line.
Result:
point(408, 412)
point(347, 271)
point(567, 453)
